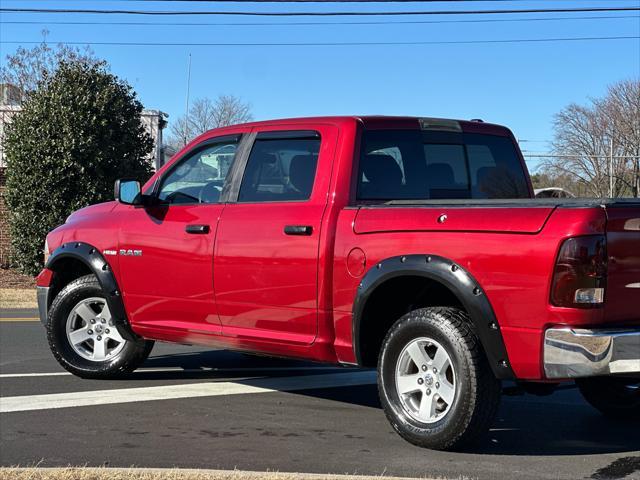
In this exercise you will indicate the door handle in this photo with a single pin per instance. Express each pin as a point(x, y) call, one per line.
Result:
point(197, 229)
point(298, 230)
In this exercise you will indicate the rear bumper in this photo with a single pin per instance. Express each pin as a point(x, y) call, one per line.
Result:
point(43, 303)
point(572, 353)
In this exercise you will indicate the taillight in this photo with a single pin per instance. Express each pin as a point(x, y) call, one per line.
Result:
point(580, 274)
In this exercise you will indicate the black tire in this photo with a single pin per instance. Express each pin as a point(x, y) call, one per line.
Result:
point(616, 397)
point(477, 391)
point(128, 358)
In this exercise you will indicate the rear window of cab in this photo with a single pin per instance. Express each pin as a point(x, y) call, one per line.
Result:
point(426, 165)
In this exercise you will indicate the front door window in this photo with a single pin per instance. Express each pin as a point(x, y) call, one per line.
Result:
point(199, 177)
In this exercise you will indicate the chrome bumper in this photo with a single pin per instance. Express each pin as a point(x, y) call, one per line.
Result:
point(571, 353)
point(43, 303)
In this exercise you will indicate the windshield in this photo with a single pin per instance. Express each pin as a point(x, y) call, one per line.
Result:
point(424, 165)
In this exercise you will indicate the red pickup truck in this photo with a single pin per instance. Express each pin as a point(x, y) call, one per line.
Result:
point(413, 245)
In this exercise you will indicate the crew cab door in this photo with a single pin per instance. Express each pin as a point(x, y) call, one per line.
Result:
point(167, 280)
point(266, 254)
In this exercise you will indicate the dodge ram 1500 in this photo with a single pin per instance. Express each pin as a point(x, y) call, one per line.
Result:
point(413, 245)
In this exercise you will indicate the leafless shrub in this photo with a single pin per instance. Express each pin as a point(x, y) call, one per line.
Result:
point(28, 66)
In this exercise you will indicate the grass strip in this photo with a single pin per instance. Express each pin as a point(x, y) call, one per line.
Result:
point(18, 298)
point(103, 473)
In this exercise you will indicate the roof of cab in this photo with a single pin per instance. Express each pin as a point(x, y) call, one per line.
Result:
point(369, 122)
point(381, 121)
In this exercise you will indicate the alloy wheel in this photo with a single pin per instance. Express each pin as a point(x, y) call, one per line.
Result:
point(91, 331)
point(425, 380)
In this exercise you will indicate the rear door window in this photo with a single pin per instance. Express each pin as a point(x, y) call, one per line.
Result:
point(424, 165)
point(280, 169)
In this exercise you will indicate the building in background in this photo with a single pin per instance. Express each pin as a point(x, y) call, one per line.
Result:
point(154, 121)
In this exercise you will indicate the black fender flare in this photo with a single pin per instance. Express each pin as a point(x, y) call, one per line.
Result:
point(456, 279)
point(93, 259)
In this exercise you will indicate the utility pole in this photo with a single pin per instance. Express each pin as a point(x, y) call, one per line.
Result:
point(611, 167)
point(186, 107)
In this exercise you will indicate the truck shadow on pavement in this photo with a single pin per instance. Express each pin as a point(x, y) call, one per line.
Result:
point(559, 424)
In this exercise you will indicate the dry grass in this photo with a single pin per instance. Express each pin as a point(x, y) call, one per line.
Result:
point(75, 473)
point(18, 298)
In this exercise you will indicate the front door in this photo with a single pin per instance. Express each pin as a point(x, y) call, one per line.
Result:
point(266, 260)
point(166, 251)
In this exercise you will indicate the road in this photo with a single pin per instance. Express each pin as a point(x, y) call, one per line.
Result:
point(196, 408)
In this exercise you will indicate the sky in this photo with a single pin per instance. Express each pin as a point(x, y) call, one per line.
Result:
point(521, 85)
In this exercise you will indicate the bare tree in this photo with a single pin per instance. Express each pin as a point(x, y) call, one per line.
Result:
point(600, 143)
point(27, 67)
point(622, 106)
point(206, 114)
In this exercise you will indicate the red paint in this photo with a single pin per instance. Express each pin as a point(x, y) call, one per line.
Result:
point(461, 219)
point(623, 250)
point(356, 262)
point(171, 284)
point(44, 278)
point(246, 285)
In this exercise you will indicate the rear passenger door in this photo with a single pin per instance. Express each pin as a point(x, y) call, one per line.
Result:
point(266, 254)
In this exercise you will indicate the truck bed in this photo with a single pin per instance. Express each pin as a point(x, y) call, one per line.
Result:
point(519, 203)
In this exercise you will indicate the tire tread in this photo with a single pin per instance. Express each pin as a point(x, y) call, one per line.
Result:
point(484, 398)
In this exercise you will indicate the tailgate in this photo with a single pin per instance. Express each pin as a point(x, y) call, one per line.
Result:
point(500, 219)
point(623, 249)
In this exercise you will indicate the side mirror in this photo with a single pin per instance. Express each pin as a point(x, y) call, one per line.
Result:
point(127, 191)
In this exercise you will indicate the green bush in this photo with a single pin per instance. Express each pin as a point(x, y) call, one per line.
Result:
point(78, 132)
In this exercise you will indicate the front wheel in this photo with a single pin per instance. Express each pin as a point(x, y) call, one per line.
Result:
point(436, 386)
point(82, 335)
point(614, 396)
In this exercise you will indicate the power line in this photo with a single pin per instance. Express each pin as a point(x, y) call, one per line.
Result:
point(315, 1)
point(332, 44)
point(374, 22)
point(559, 155)
point(321, 14)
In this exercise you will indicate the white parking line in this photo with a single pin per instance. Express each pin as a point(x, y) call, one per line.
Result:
point(20, 375)
point(168, 392)
point(180, 369)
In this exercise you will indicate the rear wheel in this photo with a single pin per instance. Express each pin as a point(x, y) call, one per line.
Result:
point(436, 386)
point(83, 337)
point(614, 396)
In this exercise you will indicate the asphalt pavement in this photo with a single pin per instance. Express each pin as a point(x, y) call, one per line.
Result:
point(190, 407)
